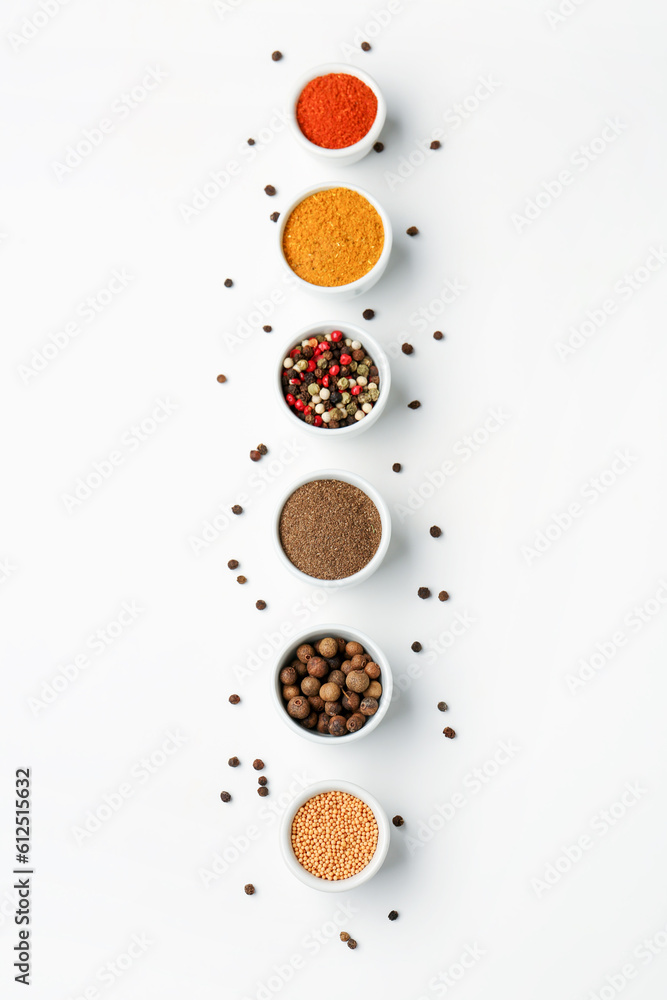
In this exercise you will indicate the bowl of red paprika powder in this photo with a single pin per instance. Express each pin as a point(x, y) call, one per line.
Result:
point(337, 112)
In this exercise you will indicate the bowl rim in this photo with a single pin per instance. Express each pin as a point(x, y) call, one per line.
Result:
point(366, 140)
point(381, 361)
point(334, 628)
point(351, 286)
point(373, 866)
point(354, 480)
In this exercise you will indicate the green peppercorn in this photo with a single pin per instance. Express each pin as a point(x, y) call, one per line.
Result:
point(346, 398)
point(351, 409)
point(362, 369)
point(342, 383)
point(301, 365)
point(313, 389)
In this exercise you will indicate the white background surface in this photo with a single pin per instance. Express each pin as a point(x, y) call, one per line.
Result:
point(167, 336)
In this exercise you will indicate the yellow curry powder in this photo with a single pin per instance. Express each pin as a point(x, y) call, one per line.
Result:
point(333, 237)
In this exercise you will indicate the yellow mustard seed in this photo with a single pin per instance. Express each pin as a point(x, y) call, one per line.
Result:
point(333, 237)
point(334, 835)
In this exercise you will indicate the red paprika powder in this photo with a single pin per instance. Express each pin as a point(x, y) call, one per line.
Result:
point(336, 110)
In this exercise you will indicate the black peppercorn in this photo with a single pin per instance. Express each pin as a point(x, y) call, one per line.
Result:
point(416, 647)
point(344, 936)
point(412, 231)
point(249, 889)
point(255, 456)
point(237, 509)
point(368, 313)
point(276, 56)
point(234, 699)
point(233, 762)
point(407, 348)
point(251, 142)
point(393, 914)
point(423, 592)
point(438, 335)
point(396, 467)
point(258, 764)
point(241, 579)
point(262, 790)
point(228, 282)
point(435, 144)
point(449, 732)
point(398, 821)
point(233, 564)
point(352, 943)
point(225, 796)
point(442, 706)
point(414, 405)
point(274, 216)
point(222, 378)
point(366, 46)
point(270, 190)
point(260, 605)
point(443, 596)
point(262, 779)
point(378, 147)
point(267, 328)
point(435, 531)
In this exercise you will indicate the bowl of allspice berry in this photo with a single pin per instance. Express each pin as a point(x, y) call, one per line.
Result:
point(332, 683)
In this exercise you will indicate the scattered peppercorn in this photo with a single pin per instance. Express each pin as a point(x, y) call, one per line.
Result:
point(393, 914)
point(251, 142)
point(423, 592)
point(368, 313)
point(260, 605)
point(234, 699)
point(262, 779)
point(407, 348)
point(443, 596)
point(442, 706)
point(416, 647)
point(352, 943)
point(398, 821)
point(261, 448)
point(233, 564)
point(267, 328)
point(276, 56)
point(436, 144)
point(378, 147)
point(249, 889)
point(449, 732)
point(274, 216)
point(233, 762)
point(237, 509)
point(222, 378)
point(241, 579)
point(270, 190)
point(414, 405)
point(228, 282)
point(396, 467)
point(366, 46)
point(438, 335)
point(255, 456)
point(263, 791)
point(344, 936)
point(225, 796)
point(258, 764)
point(435, 531)
point(412, 231)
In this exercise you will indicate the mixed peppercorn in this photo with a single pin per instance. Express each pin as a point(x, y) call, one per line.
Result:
point(330, 381)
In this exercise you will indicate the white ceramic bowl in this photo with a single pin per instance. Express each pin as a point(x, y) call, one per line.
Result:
point(353, 288)
point(349, 154)
point(350, 634)
point(373, 866)
point(385, 520)
point(381, 362)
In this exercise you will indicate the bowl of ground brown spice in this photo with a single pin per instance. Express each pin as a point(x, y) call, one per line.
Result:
point(332, 526)
point(337, 113)
point(335, 240)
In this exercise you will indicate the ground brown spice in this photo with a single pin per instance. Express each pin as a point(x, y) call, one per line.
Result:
point(330, 529)
point(333, 237)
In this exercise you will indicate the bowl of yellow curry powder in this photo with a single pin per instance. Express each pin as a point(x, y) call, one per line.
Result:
point(335, 240)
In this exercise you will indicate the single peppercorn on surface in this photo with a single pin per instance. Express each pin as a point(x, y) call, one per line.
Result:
point(334, 835)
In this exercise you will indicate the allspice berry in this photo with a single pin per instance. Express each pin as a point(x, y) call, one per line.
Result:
point(317, 667)
point(351, 701)
point(337, 725)
point(346, 667)
point(316, 703)
point(311, 721)
point(359, 661)
point(258, 764)
point(298, 707)
point(369, 706)
point(357, 681)
point(337, 677)
point(355, 722)
point(305, 652)
point(323, 723)
point(374, 690)
point(373, 670)
point(353, 649)
point(288, 675)
point(310, 686)
point(327, 648)
point(290, 691)
point(249, 889)
point(333, 708)
point(330, 692)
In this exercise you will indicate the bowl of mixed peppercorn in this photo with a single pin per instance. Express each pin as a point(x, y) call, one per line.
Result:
point(334, 378)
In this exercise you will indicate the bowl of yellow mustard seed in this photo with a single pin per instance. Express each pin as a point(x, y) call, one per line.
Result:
point(335, 240)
